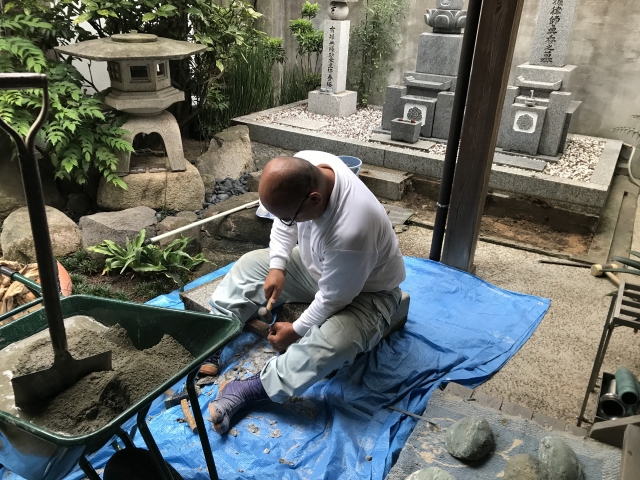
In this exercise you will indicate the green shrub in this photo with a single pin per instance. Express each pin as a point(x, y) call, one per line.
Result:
point(81, 262)
point(171, 261)
point(81, 287)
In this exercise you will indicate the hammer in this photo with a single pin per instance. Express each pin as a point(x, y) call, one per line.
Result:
point(265, 313)
point(596, 271)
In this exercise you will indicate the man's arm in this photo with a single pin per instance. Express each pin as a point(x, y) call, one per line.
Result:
point(283, 239)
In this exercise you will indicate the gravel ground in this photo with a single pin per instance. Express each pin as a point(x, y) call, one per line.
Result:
point(578, 161)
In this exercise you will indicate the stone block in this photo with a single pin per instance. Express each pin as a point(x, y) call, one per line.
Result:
point(448, 58)
point(182, 219)
point(554, 123)
point(334, 105)
point(117, 226)
point(552, 34)
point(385, 183)
point(229, 154)
point(611, 432)
point(506, 121)
point(253, 182)
point(335, 55)
point(526, 128)
point(197, 299)
point(405, 131)
point(17, 239)
point(442, 116)
point(606, 166)
point(545, 74)
point(420, 109)
point(393, 105)
point(177, 191)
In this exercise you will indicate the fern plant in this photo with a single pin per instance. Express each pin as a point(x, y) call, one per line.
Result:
point(632, 131)
point(171, 261)
point(78, 135)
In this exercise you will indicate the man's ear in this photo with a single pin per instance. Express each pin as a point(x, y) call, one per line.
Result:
point(315, 198)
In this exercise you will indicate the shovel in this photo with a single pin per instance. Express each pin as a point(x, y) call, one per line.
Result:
point(35, 388)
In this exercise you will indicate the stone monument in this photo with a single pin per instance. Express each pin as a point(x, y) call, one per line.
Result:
point(538, 109)
point(427, 93)
point(333, 98)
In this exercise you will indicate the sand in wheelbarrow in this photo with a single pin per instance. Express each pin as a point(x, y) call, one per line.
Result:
point(99, 397)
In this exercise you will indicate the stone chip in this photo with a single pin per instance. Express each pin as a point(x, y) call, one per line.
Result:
point(470, 438)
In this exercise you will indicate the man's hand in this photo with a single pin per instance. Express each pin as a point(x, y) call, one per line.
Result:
point(282, 335)
point(274, 284)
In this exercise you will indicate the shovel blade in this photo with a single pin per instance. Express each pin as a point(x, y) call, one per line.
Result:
point(33, 389)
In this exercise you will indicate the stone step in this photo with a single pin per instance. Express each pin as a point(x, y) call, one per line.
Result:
point(526, 163)
point(411, 81)
point(385, 182)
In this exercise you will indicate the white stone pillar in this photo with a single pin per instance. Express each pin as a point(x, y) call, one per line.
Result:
point(332, 98)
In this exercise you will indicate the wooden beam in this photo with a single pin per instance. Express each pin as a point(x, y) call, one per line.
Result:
point(497, 31)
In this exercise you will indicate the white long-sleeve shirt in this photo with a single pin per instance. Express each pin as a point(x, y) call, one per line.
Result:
point(351, 248)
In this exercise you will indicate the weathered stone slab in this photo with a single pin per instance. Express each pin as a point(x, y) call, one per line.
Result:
point(117, 226)
point(17, 239)
point(554, 123)
point(519, 162)
point(607, 164)
point(447, 61)
point(340, 104)
point(398, 215)
point(541, 73)
point(470, 439)
point(306, 123)
point(553, 33)
point(458, 390)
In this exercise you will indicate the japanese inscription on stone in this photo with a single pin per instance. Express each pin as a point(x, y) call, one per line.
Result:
point(331, 57)
point(553, 33)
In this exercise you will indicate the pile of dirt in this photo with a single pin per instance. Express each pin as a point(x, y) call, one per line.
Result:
point(99, 397)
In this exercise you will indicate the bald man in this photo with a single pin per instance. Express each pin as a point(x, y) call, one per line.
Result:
point(346, 265)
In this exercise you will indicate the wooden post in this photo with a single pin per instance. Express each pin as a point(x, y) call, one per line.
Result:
point(497, 30)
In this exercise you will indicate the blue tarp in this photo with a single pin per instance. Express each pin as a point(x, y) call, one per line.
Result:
point(460, 329)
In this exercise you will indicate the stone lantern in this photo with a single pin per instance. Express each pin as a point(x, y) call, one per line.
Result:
point(138, 67)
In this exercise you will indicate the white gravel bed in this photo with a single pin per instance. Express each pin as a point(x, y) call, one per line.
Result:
point(578, 161)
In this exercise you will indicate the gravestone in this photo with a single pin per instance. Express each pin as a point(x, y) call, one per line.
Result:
point(538, 109)
point(333, 98)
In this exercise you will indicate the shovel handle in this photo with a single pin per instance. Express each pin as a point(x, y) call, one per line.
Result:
point(29, 170)
point(34, 287)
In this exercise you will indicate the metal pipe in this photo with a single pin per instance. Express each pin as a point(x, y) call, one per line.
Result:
point(453, 141)
point(202, 222)
point(627, 386)
point(611, 407)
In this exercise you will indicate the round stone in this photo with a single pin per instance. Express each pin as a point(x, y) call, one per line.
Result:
point(470, 438)
point(134, 37)
point(414, 113)
point(525, 122)
point(222, 197)
point(338, 11)
point(526, 467)
point(560, 458)
point(433, 473)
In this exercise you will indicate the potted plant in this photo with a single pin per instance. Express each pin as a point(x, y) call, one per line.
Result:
point(405, 130)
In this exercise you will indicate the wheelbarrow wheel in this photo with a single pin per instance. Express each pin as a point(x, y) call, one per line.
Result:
point(134, 464)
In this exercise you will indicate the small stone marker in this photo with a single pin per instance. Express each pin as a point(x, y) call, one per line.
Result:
point(560, 458)
point(470, 438)
point(526, 467)
point(433, 473)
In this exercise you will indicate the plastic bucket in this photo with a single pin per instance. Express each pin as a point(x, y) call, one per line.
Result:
point(354, 163)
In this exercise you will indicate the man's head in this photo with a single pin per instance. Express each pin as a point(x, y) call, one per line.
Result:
point(293, 189)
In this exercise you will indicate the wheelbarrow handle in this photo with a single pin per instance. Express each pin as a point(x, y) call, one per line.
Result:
point(34, 287)
point(21, 81)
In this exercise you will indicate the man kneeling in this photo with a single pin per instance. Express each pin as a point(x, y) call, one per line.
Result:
point(347, 265)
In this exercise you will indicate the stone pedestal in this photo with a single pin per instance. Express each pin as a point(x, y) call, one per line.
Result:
point(335, 105)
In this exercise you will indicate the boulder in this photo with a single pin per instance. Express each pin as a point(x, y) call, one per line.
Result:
point(11, 191)
point(526, 467)
point(470, 438)
point(229, 154)
point(184, 191)
point(182, 219)
point(253, 181)
point(560, 458)
point(117, 226)
point(433, 473)
point(242, 226)
point(209, 183)
point(17, 240)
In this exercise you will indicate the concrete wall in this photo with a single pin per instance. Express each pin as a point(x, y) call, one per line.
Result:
point(605, 45)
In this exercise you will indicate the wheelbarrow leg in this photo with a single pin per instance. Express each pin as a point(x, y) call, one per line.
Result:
point(126, 438)
point(88, 469)
point(152, 445)
point(202, 429)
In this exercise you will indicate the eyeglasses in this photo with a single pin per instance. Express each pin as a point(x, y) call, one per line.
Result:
point(290, 223)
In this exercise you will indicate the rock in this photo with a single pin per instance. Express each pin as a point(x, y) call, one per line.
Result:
point(470, 438)
point(526, 467)
point(117, 226)
point(433, 473)
point(253, 181)
point(79, 204)
point(242, 226)
point(11, 190)
point(182, 219)
point(229, 154)
point(209, 183)
point(17, 240)
point(184, 191)
point(560, 458)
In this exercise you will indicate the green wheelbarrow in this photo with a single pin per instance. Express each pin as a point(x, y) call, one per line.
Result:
point(37, 453)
